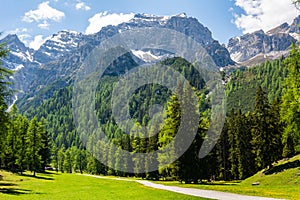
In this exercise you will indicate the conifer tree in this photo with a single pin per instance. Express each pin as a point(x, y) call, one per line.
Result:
point(33, 141)
point(67, 165)
point(152, 147)
point(290, 107)
point(5, 94)
point(45, 150)
point(21, 143)
point(80, 160)
point(266, 132)
point(166, 137)
point(259, 129)
point(61, 158)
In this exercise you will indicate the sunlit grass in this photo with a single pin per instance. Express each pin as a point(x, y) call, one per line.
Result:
point(283, 183)
point(74, 186)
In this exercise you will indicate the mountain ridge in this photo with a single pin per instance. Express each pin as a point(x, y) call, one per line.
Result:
point(256, 47)
point(61, 54)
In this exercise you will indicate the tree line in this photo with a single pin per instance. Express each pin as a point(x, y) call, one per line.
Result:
point(25, 144)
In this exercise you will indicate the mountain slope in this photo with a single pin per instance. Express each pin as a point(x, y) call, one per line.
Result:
point(58, 59)
point(283, 180)
point(242, 84)
point(259, 46)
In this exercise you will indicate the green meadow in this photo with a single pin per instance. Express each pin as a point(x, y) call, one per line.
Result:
point(74, 186)
point(282, 181)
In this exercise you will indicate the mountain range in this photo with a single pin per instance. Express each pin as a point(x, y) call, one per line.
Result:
point(256, 47)
point(57, 60)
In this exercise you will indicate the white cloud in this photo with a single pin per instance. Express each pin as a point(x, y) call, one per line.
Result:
point(44, 25)
point(44, 12)
point(82, 6)
point(264, 14)
point(18, 31)
point(104, 19)
point(37, 42)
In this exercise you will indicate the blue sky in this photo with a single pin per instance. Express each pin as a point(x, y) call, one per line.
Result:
point(35, 20)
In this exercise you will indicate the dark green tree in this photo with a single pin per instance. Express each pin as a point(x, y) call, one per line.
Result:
point(55, 157)
point(240, 155)
point(11, 147)
point(222, 155)
point(290, 107)
point(45, 150)
point(61, 158)
point(80, 160)
point(265, 130)
point(166, 136)
point(5, 94)
point(33, 141)
point(67, 165)
point(21, 143)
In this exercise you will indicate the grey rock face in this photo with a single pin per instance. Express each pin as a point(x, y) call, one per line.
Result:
point(63, 53)
point(274, 42)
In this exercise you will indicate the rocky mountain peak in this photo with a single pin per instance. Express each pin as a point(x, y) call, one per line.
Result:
point(14, 44)
point(18, 54)
point(258, 46)
point(283, 28)
point(63, 53)
point(294, 28)
point(58, 45)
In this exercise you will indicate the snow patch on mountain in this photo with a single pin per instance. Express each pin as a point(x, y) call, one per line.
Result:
point(146, 56)
point(18, 67)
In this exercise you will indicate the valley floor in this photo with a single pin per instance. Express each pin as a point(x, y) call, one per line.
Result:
point(59, 186)
point(211, 194)
point(282, 182)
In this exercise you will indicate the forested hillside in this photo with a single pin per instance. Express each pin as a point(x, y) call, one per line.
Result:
point(261, 126)
point(243, 83)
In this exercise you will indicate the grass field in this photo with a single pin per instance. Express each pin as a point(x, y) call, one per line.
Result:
point(73, 186)
point(283, 181)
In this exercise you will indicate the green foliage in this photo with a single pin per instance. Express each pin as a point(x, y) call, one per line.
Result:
point(5, 93)
point(33, 140)
point(290, 107)
point(21, 142)
point(265, 131)
point(45, 149)
point(248, 137)
point(241, 88)
point(240, 155)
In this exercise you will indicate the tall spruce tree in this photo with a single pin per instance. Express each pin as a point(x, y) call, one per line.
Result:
point(240, 154)
point(45, 150)
point(11, 148)
point(152, 147)
point(166, 137)
point(266, 132)
point(61, 158)
point(5, 94)
point(33, 140)
point(290, 107)
point(21, 143)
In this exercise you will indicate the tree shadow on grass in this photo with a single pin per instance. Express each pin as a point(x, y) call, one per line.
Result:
point(14, 191)
point(3, 184)
point(283, 167)
point(220, 184)
point(37, 177)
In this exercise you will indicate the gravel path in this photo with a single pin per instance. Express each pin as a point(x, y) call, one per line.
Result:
point(211, 194)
